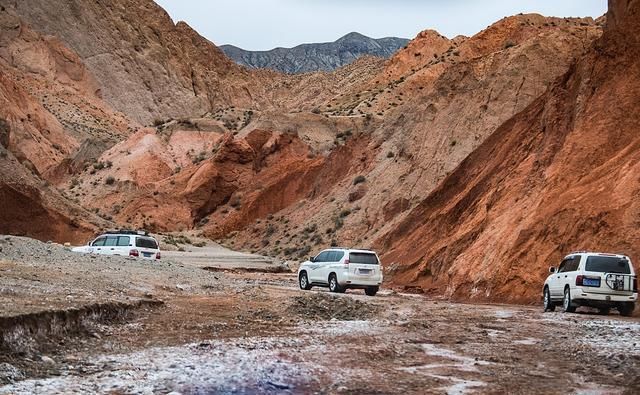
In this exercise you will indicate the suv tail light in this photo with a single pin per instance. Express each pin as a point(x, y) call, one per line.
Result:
point(635, 284)
point(579, 280)
point(158, 255)
point(135, 253)
point(346, 263)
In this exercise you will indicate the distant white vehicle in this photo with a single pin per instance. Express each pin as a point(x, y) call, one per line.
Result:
point(137, 244)
point(340, 269)
point(593, 279)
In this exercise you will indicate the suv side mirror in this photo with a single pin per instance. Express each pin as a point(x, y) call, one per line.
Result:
point(552, 270)
point(312, 259)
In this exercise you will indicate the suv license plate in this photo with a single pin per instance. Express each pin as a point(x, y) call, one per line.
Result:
point(364, 271)
point(146, 254)
point(591, 282)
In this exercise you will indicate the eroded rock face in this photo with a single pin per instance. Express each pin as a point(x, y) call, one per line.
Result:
point(558, 177)
point(146, 66)
point(434, 114)
point(32, 208)
point(4, 133)
point(453, 158)
point(48, 98)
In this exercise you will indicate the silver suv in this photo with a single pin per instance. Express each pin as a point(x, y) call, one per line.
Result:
point(592, 279)
point(341, 269)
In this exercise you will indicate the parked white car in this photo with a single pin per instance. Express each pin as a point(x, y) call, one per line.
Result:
point(137, 244)
point(341, 269)
point(593, 279)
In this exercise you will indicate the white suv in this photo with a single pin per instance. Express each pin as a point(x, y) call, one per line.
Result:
point(341, 269)
point(603, 281)
point(137, 244)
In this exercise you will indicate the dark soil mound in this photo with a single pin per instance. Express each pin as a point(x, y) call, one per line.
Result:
point(319, 306)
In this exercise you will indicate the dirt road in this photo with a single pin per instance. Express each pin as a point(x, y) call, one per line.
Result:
point(246, 333)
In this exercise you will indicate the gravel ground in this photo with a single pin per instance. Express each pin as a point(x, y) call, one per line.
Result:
point(36, 276)
point(247, 333)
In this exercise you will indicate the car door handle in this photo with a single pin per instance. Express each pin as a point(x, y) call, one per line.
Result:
point(114, 249)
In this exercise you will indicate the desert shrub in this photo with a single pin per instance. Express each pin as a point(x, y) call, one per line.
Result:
point(235, 202)
point(310, 229)
point(269, 230)
point(110, 180)
point(200, 157)
point(509, 44)
point(359, 180)
point(345, 213)
point(304, 251)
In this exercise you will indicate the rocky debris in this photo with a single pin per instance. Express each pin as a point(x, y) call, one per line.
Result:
point(307, 58)
point(9, 373)
point(195, 346)
point(37, 277)
point(324, 306)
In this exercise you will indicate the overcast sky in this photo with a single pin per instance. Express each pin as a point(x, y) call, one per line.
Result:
point(265, 24)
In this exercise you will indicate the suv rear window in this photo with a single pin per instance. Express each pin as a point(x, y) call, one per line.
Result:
point(143, 242)
point(363, 258)
point(606, 264)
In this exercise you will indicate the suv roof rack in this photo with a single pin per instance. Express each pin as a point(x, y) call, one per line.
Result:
point(127, 232)
point(349, 248)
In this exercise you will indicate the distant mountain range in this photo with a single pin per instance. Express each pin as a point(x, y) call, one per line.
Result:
point(316, 57)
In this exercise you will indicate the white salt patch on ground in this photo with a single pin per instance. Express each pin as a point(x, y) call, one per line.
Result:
point(337, 328)
point(458, 362)
point(612, 337)
point(504, 314)
point(527, 342)
point(245, 366)
point(460, 386)
point(434, 351)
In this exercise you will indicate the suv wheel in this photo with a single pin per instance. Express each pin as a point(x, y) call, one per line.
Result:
point(371, 291)
point(303, 280)
point(333, 284)
point(626, 309)
point(566, 302)
point(548, 304)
